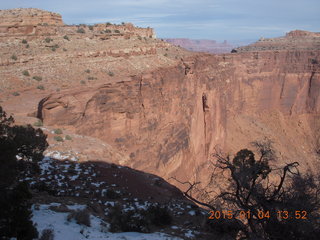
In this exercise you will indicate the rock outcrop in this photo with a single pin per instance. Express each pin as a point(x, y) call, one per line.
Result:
point(169, 121)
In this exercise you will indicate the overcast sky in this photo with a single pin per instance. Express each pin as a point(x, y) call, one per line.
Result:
point(199, 19)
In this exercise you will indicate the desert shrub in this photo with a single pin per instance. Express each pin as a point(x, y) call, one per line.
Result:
point(64, 49)
point(26, 73)
point(92, 78)
point(127, 221)
point(66, 37)
point(116, 31)
point(81, 217)
point(166, 54)
point(27, 46)
point(48, 40)
point(107, 31)
point(83, 82)
point(47, 234)
point(53, 49)
point(111, 74)
point(68, 137)
point(158, 215)
point(58, 138)
point(38, 123)
point(24, 41)
point(81, 30)
point(37, 78)
point(40, 87)
point(16, 94)
point(139, 37)
point(112, 194)
point(91, 28)
point(87, 71)
point(57, 131)
point(108, 24)
point(14, 57)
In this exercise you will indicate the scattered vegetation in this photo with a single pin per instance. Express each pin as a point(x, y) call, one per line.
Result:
point(91, 28)
point(27, 46)
point(16, 94)
point(38, 123)
point(87, 70)
point(57, 131)
point(68, 137)
point(83, 82)
point(107, 31)
point(48, 40)
point(66, 37)
point(92, 78)
point(108, 24)
point(37, 78)
point(81, 30)
point(14, 57)
point(138, 220)
point(26, 73)
point(64, 49)
point(111, 74)
point(24, 41)
point(58, 138)
point(116, 31)
point(40, 87)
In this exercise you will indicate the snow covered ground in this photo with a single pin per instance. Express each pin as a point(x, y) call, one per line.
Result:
point(44, 218)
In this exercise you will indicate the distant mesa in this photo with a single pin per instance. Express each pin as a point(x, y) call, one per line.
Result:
point(37, 22)
point(29, 16)
point(201, 45)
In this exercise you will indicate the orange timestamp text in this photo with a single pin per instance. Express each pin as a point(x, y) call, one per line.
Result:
point(259, 214)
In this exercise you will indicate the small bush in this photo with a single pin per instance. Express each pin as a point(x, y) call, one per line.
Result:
point(64, 49)
point(14, 57)
point(37, 78)
point(91, 28)
point(107, 31)
point(81, 30)
point(48, 40)
point(159, 216)
point(40, 87)
point(38, 123)
point(27, 46)
point(81, 216)
point(16, 94)
point(68, 137)
point(26, 73)
point(108, 24)
point(66, 37)
point(57, 131)
point(116, 31)
point(166, 54)
point(112, 194)
point(58, 138)
point(24, 41)
point(92, 78)
point(47, 234)
point(111, 74)
point(130, 221)
point(83, 82)
point(53, 49)
point(87, 71)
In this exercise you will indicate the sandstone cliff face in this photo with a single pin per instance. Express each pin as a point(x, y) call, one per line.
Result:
point(169, 121)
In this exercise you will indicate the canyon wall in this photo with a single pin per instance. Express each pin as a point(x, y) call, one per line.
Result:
point(170, 121)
